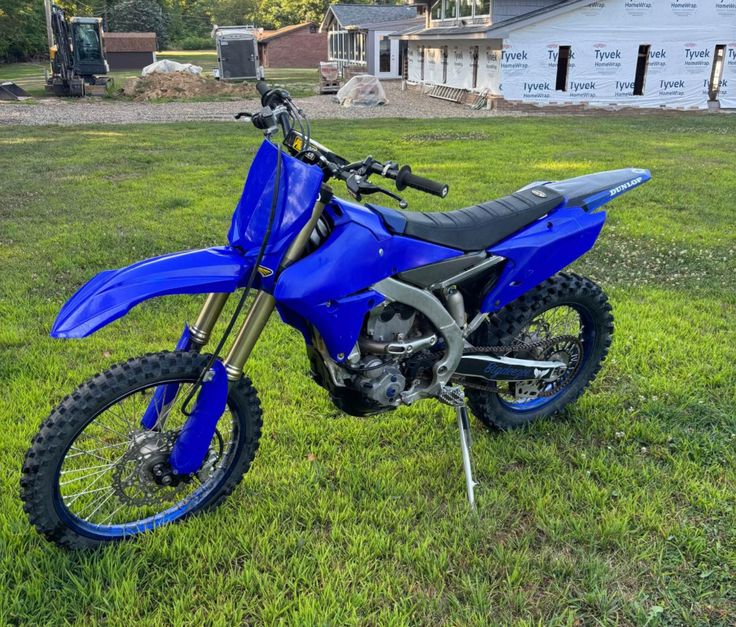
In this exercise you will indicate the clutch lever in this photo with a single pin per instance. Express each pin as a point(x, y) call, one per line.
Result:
point(244, 114)
point(381, 190)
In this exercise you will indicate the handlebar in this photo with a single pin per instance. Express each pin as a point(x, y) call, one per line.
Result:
point(279, 110)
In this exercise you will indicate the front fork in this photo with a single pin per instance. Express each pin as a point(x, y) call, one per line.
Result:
point(193, 442)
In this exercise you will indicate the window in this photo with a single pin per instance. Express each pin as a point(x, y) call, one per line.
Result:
point(482, 7)
point(444, 64)
point(450, 9)
point(87, 45)
point(437, 10)
point(466, 8)
point(563, 62)
point(312, 28)
point(717, 73)
point(474, 55)
point(641, 69)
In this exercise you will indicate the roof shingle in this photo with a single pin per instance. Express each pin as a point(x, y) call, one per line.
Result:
point(360, 14)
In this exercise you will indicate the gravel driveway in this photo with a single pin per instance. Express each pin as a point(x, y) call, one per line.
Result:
point(68, 111)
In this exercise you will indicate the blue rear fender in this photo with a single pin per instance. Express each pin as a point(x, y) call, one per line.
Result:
point(553, 242)
point(541, 250)
point(113, 293)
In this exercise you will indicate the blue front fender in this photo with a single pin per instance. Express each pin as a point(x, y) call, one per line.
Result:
point(113, 293)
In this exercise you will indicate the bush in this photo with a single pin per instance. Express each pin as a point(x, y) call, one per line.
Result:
point(194, 43)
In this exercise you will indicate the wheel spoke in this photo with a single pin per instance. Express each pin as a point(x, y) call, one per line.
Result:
point(122, 418)
point(74, 497)
point(93, 474)
point(92, 452)
point(99, 502)
point(110, 517)
point(99, 475)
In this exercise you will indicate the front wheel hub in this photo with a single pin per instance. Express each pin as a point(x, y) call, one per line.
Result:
point(145, 477)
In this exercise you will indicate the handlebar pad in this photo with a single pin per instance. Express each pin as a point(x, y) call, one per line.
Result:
point(406, 179)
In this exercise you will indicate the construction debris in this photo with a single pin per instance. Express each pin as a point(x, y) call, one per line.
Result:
point(11, 91)
point(182, 85)
point(167, 66)
point(363, 90)
point(329, 77)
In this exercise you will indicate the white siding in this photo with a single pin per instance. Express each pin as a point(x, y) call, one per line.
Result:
point(605, 37)
point(459, 65)
point(433, 66)
point(489, 71)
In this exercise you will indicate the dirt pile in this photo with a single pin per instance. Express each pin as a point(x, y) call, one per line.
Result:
point(181, 85)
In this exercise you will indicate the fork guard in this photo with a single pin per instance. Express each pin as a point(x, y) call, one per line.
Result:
point(113, 293)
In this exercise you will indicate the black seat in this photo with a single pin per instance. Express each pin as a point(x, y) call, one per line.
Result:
point(476, 227)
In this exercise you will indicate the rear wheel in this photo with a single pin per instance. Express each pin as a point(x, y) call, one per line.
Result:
point(94, 474)
point(570, 318)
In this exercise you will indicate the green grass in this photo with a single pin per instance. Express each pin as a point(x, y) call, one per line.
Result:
point(622, 511)
point(31, 76)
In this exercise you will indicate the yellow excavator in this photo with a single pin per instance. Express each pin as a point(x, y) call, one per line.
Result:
point(78, 63)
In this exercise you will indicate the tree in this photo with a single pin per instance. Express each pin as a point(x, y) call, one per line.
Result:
point(138, 16)
point(233, 12)
point(278, 13)
point(22, 30)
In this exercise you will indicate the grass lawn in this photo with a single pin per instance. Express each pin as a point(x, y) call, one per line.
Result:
point(622, 511)
point(31, 76)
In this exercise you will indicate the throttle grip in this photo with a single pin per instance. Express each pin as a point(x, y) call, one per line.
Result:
point(405, 179)
point(262, 88)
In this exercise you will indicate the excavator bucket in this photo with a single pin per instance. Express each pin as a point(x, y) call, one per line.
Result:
point(11, 91)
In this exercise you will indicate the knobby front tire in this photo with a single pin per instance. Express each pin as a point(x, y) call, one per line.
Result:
point(58, 440)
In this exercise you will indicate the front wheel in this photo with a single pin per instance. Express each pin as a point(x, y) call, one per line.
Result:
point(91, 474)
point(570, 317)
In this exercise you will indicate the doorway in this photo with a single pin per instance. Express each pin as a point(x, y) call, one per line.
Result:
point(387, 56)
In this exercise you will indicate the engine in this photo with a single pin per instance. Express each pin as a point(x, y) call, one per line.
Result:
point(395, 353)
point(381, 378)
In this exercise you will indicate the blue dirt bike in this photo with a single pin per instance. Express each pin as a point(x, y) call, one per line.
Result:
point(394, 307)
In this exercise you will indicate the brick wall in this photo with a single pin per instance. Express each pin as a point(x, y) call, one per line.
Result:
point(298, 49)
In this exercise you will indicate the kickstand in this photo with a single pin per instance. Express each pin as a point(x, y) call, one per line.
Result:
point(456, 398)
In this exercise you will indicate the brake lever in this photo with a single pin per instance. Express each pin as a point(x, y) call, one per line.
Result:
point(244, 114)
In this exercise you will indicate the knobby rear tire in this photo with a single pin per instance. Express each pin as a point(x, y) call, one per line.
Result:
point(563, 289)
point(43, 460)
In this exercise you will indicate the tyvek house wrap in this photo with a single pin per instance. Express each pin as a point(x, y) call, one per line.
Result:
point(604, 37)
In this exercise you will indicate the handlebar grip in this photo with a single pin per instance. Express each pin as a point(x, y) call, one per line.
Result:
point(262, 88)
point(406, 179)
